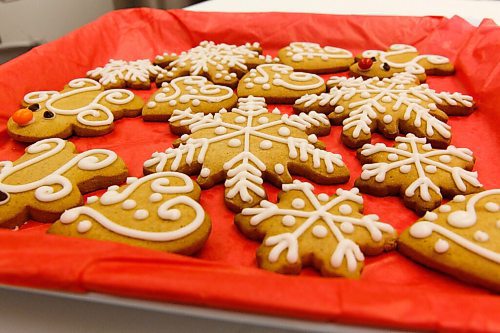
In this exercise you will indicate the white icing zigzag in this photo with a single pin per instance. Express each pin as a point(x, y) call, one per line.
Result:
point(44, 187)
point(406, 156)
point(340, 226)
point(244, 169)
point(114, 70)
point(300, 50)
point(165, 212)
point(94, 108)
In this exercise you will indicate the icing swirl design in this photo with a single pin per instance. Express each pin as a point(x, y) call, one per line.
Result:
point(282, 76)
point(298, 51)
point(129, 71)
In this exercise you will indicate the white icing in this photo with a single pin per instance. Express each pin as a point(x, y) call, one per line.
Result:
point(263, 120)
point(288, 220)
point(319, 231)
point(299, 50)
point(129, 204)
point(129, 71)
point(141, 214)
point(155, 197)
point(92, 199)
point(284, 131)
point(234, 143)
point(130, 180)
point(445, 158)
point(347, 227)
point(83, 226)
point(459, 198)
point(323, 197)
point(405, 168)
point(220, 130)
point(481, 236)
point(298, 203)
point(345, 209)
point(387, 119)
point(205, 172)
point(288, 79)
point(492, 207)
point(265, 144)
point(279, 168)
point(441, 246)
point(444, 209)
point(431, 216)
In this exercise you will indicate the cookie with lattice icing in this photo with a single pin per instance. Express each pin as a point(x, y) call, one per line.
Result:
point(160, 211)
point(247, 145)
point(82, 108)
point(312, 58)
point(390, 106)
point(415, 170)
point(222, 63)
point(279, 84)
point(136, 74)
point(51, 177)
point(400, 58)
point(460, 238)
point(194, 92)
point(327, 232)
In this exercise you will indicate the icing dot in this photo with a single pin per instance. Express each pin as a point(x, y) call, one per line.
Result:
point(298, 203)
point(113, 188)
point(392, 157)
point(151, 104)
point(427, 147)
point(205, 172)
point(432, 106)
point(83, 226)
point(324, 57)
point(155, 197)
point(323, 197)
point(386, 99)
point(279, 168)
point(492, 207)
point(219, 67)
point(345, 209)
point(445, 209)
point(347, 227)
point(276, 111)
point(232, 75)
point(220, 130)
point(227, 78)
point(247, 79)
point(380, 84)
point(441, 246)
point(312, 138)
point(403, 146)
point(141, 214)
point(430, 168)
point(420, 230)
point(288, 220)
point(218, 75)
point(387, 118)
point(431, 216)
point(405, 168)
point(266, 86)
point(339, 109)
point(319, 231)
point(240, 119)
point(196, 102)
point(129, 204)
point(165, 89)
point(184, 137)
point(365, 94)
point(445, 158)
point(481, 236)
point(459, 198)
point(263, 120)
point(277, 76)
point(172, 102)
point(92, 199)
point(265, 144)
point(234, 143)
point(284, 131)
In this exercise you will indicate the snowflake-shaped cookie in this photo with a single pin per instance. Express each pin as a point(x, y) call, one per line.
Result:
point(220, 63)
point(390, 106)
point(461, 238)
point(83, 107)
point(50, 178)
point(248, 145)
point(400, 58)
point(326, 232)
point(194, 92)
point(417, 172)
point(159, 211)
point(136, 74)
point(279, 84)
point(312, 58)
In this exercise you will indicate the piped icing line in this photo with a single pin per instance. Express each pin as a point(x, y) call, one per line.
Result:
point(468, 217)
point(346, 250)
point(138, 70)
point(300, 50)
point(300, 80)
point(43, 187)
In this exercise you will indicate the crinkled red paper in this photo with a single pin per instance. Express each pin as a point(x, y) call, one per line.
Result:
point(393, 291)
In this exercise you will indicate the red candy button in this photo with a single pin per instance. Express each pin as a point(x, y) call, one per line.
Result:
point(22, 117)
point(365, 63)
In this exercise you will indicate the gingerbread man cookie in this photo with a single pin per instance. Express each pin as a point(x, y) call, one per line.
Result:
point(327, 232)
point(136, 74)
point(312, 58)
point(417, 172)
point(461, 238)
point(51, 177)
point(279, 84)
point(194, 92)
point(159, 211)
point(391, 106)
point(246, 146)
point(82, 108)
point(221, 63)
point(400, 58)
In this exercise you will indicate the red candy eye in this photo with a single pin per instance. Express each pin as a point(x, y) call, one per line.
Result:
point(365, 63)
point(22, 117)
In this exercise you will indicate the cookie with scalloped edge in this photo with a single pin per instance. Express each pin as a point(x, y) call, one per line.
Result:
point(159, 211)
point(460, 238)
point(327, 232)
point(313, 58)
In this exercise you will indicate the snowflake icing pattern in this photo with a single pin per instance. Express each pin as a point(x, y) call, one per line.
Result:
point(247, 145)
point(390, 105)
point(335, 224)
point(418, 171)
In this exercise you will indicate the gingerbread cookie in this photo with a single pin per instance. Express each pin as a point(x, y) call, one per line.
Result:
point(136, 74)
point(400, 58)
point(461, 238)
point(246, 146)
point(279, 84)
point(416, 171)
point(194, 92)
point(82, 108)
point(329, 233)
point(159, 211)
point(51, 177)
point(221, 63)
point(312, 58)
point(390, 106)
